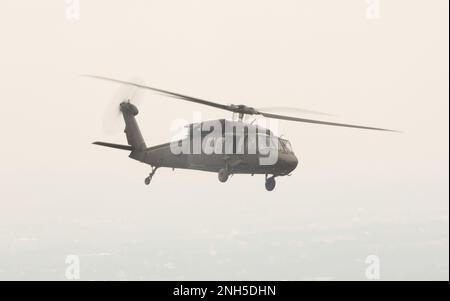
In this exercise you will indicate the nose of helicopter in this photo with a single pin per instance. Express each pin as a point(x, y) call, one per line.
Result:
point(292, 162)
point(289, 163)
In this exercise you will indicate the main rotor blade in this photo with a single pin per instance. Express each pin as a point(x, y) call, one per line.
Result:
point(167, 93)
point(290, 109)
point(323, 122)
point(242, 109)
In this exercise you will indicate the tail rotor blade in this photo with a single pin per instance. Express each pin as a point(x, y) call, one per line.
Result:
point(112, 119)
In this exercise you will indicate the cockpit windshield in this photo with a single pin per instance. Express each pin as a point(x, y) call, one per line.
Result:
point(286, 145)
point(272, 142)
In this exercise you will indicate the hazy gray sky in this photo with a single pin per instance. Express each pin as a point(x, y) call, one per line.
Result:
point(355, 193)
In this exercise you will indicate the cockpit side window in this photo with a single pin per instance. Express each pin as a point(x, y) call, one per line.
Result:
point(266, 142)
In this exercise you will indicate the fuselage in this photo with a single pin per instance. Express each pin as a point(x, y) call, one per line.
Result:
point(239, 152)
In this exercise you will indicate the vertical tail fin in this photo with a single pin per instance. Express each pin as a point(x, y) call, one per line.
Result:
point(134, 136)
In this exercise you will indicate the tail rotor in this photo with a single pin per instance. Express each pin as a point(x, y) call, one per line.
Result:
point(112, 119)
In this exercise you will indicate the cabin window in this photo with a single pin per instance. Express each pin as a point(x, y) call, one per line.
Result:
point(240, 144)
point(209, 141)
point(251, 144)
point(218, 145)
point(208, 145)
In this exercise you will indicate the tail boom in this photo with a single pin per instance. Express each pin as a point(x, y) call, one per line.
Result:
point(132, 131)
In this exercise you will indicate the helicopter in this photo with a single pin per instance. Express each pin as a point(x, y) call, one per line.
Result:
point(222, 146)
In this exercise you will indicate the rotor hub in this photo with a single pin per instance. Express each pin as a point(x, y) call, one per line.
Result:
point(244, 110)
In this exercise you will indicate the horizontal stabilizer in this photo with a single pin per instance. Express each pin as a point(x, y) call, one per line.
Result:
point(113, 145)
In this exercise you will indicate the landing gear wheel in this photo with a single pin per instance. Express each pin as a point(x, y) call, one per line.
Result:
point(150, 176)
point(223, 175)
point(270, 183)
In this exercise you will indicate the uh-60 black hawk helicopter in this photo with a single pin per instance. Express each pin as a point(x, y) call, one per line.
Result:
point(248, 146)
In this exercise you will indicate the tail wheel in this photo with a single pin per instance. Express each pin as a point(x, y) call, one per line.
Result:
point(150, 176)
point(223, 175)
point(270, 183)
